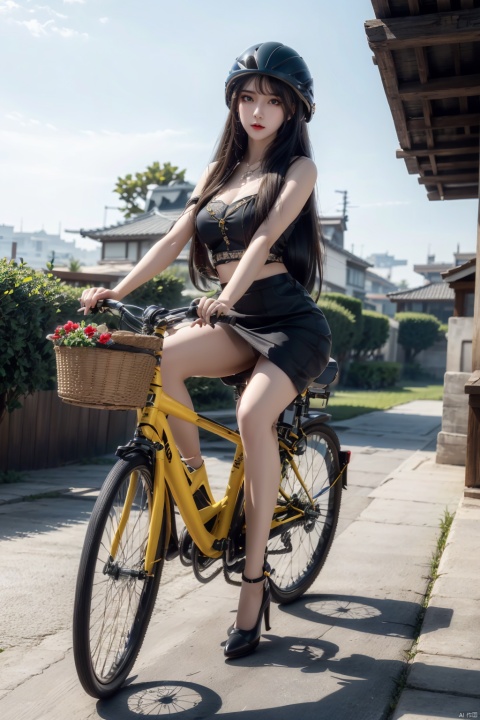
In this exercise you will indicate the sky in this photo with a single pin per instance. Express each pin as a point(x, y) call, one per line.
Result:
point(93, 89)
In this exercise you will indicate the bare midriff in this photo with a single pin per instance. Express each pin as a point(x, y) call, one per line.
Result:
point(226, 271)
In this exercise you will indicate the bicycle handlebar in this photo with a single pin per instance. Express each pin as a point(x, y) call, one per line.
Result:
point(156, 315)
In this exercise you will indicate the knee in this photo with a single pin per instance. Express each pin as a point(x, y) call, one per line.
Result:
point(253, 425)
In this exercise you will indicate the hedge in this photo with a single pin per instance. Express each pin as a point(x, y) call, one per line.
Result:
point(353, 305)
point(342, 325)
point(416, 332)
point(373, 374)
point(376, 328)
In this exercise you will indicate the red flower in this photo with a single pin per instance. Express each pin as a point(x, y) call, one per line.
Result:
point(75, 326)
point(89, 331)
point(68, 327)
point(58, 330)
point(56, 336)
point(104, 337)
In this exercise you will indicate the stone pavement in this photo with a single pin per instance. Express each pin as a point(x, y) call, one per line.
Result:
point(339, 652)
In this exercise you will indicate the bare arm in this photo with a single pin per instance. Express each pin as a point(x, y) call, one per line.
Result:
point(157, 259)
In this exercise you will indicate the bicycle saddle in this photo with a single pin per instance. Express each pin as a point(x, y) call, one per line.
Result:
point(325, 378)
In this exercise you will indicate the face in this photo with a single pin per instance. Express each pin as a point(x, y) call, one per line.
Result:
point(261, 114)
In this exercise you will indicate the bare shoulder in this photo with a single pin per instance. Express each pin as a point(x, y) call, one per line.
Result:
point(204, 179)
point(302, 167)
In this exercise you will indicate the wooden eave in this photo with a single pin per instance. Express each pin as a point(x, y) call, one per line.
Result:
point(428, 55)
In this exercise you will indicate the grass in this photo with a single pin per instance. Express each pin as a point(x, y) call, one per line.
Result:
point(345, 404)
point(445, 525)
point(10, 476)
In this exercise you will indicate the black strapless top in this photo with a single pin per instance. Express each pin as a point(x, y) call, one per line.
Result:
point(226, 230)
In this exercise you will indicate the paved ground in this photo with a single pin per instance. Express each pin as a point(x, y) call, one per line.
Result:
point(337, 653)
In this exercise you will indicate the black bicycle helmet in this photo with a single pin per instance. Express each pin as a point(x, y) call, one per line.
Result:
point(278, 61)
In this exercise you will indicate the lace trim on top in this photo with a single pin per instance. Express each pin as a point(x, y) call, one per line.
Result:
point(234, 255)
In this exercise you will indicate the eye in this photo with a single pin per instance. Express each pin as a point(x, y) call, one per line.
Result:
point(246, 98)
point(276, 101)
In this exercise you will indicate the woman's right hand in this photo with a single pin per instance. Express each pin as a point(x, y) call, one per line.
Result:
point(91, 296)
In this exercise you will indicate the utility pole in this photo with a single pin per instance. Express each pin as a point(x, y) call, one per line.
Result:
point(344, 193)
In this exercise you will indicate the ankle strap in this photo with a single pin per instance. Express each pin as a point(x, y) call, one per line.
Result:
point(266, 574)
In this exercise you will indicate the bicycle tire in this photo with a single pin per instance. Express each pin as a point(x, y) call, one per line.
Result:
point(112, 609)
point(298, 553)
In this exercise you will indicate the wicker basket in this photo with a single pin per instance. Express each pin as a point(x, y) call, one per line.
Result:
point(105, 378)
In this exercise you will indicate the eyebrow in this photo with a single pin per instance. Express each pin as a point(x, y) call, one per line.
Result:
point(255, 92)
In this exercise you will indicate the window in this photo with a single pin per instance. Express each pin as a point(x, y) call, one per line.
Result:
point(355, 277)
point(114, 251)
point(132, 251)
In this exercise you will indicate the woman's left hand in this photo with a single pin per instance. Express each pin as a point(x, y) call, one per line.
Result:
point(209, 306)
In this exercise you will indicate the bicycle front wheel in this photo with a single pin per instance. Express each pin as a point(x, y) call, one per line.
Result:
point(114, 597)
point(308, 507)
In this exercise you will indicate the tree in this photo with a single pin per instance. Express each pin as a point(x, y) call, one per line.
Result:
point(342, 326)
point(132, 189)
point(353, 305)
point(376, 329)
point(74, 265)
point(416, 332)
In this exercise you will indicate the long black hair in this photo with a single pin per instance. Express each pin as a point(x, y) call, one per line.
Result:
point(302, 256)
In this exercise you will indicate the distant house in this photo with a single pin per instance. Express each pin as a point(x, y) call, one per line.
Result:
point(343, 271)
point(38, 248)
point(433, 271)
point(435, 298)
point(376, 298)
point(123, 245)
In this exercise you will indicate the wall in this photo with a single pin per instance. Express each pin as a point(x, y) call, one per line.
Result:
point(459, 351)
point(47, 432)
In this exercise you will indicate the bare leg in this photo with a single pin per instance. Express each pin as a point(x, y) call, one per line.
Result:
point(269, 391)
point(199, 351)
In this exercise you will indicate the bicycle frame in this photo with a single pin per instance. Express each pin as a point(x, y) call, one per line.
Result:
point(171, 472)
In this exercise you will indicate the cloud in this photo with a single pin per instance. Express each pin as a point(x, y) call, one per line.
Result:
point(50, 11)
point(72, 2)
point(34, 27)
point(103, 20)
point(69, 175)
point(68, 32)
point(8, 6)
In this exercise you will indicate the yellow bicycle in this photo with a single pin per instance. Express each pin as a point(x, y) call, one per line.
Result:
point(132, 528)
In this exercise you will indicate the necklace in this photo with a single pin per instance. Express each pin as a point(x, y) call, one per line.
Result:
point(250, 171)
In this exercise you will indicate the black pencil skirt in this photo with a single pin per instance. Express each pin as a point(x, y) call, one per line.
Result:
point(283, 323)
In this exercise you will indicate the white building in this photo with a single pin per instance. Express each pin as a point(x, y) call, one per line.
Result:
point(37, 248)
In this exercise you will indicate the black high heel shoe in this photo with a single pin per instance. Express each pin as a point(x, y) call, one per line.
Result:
point(243, 642)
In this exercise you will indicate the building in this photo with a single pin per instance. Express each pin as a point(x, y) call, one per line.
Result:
point(343, 271)
point(124, 244)
point(434, 298)
point(433, 271)
point(38, 248)
point(428, 55)
point(377, 288)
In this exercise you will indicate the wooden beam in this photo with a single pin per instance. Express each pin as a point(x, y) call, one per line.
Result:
point(466, 148)
point(388, 74)
point(458, 178)
point(476, 322)
point(439, 88)
point(457, 194)
point(381, 8)
point(442, 166)
point(413, 7)
point(418, 30)
point(445, 121)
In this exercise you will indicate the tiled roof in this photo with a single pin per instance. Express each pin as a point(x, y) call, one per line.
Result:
point(432, 291)
point(461, 271)
point(153, 224)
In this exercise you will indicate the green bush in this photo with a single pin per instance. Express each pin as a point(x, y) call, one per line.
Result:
point(164, 289)
point(373, 374)
point(376, 328)
point(353, 305)
point(342, 325)
point(209, 394)
point(416, 332)
point(30, 301)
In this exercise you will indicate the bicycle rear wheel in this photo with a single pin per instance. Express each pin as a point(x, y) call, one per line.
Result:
point(114, 597)
point(298, 549)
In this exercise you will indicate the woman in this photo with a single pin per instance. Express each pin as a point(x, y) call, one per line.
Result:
point(254, 225)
